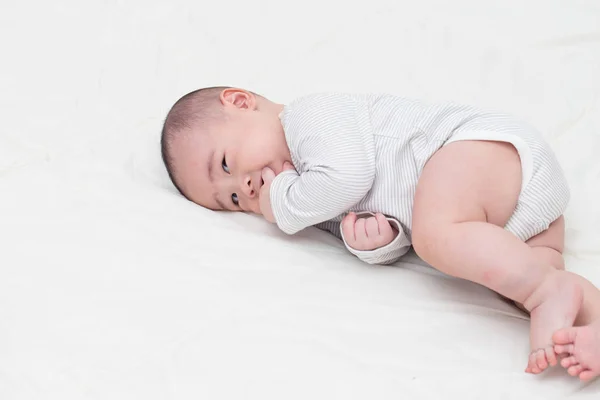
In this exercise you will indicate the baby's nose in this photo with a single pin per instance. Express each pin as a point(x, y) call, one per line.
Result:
point(248, 187)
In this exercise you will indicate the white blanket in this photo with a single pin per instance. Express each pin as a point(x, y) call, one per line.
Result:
point(114, 287)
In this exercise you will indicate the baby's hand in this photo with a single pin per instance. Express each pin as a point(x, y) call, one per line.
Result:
point(264, 199)
point(366, 234)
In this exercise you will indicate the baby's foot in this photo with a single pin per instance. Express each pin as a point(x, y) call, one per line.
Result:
point(559, 300)
point(581, 348)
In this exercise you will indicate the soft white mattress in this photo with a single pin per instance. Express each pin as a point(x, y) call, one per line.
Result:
point(114, 287)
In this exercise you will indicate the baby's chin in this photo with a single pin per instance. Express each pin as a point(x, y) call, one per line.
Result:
point(256, 212)
point(253, 209)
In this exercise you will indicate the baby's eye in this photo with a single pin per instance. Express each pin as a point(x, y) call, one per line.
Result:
point(224, 165)
point(234, 199)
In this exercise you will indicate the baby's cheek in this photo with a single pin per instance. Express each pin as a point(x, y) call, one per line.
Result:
point(256, 156)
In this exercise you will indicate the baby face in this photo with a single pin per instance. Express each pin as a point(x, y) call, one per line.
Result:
point(221, 168)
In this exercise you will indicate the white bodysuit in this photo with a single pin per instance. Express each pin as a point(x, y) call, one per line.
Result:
point(365, 153)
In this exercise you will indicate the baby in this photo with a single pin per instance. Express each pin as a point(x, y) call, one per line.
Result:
point(479, 195)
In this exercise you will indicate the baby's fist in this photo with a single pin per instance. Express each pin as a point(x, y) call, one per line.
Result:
point(366, 234)
point(264, 199)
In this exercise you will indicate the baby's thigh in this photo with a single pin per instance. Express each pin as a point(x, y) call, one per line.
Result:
point(468, 181)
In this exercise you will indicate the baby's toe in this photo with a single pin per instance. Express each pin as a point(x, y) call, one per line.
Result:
point(564, 349)
point(541, 361)
point(532, 367)
point(587, 375)
point(568, 362)
point(565, 336)
point(575, 370)
point(551, 356)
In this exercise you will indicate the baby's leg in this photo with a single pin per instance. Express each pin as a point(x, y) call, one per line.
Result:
point(579, 346)
point(465, 196)
point(549, 245)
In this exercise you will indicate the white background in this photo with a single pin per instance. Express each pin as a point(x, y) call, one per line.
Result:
point(114, 287)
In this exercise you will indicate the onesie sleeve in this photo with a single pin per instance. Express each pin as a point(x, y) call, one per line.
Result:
point(332, 148)
point(387, 254)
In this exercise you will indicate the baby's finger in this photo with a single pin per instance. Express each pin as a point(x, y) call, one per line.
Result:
point(348, 228)
point(372, 228)
point(287, 166)
point(385, 228)
point(267, 175)
point(361, 234)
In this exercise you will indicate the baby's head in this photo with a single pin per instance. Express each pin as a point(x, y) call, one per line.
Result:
point(215, 143)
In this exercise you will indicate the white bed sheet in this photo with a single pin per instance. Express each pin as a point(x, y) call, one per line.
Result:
point(114, 287)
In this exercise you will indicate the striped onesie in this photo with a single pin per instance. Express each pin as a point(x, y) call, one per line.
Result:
point(365, 153)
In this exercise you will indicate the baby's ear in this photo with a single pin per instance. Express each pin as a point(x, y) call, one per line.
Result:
point(238, 98)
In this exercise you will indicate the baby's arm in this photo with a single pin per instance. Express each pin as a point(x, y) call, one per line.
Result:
point(336, 160)
point(374, 238)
